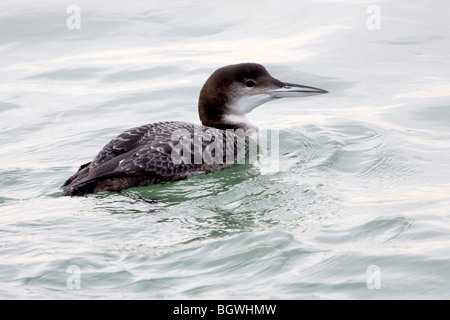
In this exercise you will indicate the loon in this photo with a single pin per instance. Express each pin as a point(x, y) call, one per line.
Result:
point(144, 155)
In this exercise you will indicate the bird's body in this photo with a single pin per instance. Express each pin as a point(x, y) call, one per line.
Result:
point(173, 150)
point(150, 154)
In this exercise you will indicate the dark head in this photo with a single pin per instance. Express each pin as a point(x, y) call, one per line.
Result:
point(233, 91)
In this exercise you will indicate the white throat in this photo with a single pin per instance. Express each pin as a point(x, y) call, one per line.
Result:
point(247, 103)
point(237, 110)
point(241, 120)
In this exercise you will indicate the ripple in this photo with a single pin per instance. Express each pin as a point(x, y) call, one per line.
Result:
point(69, 74)
point(378, 231)
point(436, 114)
point(361, 150)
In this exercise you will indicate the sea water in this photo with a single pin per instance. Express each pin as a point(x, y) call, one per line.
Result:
point(358, 206)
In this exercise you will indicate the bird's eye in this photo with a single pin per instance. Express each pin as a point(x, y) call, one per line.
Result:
point(250, 83)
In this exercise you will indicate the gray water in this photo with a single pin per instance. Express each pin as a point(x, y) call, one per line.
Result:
point(358, 208)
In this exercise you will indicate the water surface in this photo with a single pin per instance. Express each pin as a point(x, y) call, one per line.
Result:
point(363, 177)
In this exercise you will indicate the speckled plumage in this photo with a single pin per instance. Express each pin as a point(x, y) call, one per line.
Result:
point(144, 155)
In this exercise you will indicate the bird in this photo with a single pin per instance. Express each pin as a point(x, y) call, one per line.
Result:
point(173, 150)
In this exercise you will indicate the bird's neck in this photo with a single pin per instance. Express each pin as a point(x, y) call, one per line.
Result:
point(232, 122)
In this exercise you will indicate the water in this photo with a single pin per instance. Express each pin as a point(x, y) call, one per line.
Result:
point(360, 205)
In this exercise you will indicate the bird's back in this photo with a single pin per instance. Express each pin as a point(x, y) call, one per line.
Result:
point(155, 153)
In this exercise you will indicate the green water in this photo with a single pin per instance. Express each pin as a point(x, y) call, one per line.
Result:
point(363, 178)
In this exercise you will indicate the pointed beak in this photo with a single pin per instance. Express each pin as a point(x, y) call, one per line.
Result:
point(295, 90)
